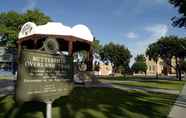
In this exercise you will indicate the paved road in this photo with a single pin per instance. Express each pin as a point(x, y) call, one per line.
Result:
point(179, 108)
point(7, 87)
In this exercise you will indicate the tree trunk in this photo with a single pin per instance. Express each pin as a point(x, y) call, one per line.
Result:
point(114, 69)
point(165, 66)
point(176, 67)
point(179, 72)
point(156, 69)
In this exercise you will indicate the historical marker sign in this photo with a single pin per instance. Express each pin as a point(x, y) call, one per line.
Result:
point(43, 76)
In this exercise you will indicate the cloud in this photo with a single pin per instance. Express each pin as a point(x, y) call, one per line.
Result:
point(131, 35)
point(155, 32)
point(161, 1)
point(30, 4)
point(136, 7)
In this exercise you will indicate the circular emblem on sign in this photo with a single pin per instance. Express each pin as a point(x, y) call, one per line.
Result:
point(27, 28)
point(51, 45)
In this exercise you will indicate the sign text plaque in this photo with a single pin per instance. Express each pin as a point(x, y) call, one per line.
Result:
point(43, 76)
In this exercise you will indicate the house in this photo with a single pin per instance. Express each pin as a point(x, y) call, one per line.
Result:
point(105, 69)
point(160, 67)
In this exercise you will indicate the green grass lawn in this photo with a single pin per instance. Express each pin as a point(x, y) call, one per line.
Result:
point(94, 103)
point(172, 85)
point(117, 78)
point(131, 77)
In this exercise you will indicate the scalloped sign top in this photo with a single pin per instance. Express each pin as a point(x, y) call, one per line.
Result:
point(56, 28)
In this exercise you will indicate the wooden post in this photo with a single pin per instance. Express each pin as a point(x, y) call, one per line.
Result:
point(70, 48)
point(35, 43)
point(19, 48)
point(90, 59)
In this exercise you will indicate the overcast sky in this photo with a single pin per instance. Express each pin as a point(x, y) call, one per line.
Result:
point(134, 23)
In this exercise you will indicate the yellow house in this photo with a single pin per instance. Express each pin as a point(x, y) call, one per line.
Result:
point(105, 70)
point(160, 67)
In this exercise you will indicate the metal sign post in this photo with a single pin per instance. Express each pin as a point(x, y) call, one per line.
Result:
point(49, 109)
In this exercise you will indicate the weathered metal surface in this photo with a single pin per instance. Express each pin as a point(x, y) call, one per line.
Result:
point(43, 76)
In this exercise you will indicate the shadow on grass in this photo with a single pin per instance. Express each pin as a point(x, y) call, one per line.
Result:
point(165, 81)
point(169, 85)
point(97, 103)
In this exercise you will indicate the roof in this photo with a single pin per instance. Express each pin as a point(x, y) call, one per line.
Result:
point(55, 28)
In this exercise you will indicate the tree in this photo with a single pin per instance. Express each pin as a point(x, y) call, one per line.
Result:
point(179, 21)
point(166, 48)
point(121, 69)
point(11, 22)
point(140, 58)
point(140, 64)
point(116, 54)
point(170, 47)
point(97, 47)
point(36, 16)
point(153, 54)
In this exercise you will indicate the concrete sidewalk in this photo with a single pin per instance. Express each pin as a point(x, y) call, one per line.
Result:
point(7, 87)
point(179, 108)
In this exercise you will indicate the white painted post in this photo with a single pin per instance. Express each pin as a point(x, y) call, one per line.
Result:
point(49, 109)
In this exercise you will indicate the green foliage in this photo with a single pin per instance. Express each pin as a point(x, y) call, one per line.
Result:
point(140, 64)
point(179, 21)
point(97, 47)
point(140, 58)
point(153, 51)
point(36, 16)
point(121, 69)
point(139, 67)
point(166, 48)
point(117, 54)
point(11, 22)
point(172, 46)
